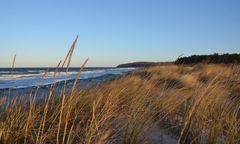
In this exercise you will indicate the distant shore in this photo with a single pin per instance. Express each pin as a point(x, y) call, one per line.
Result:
point(144, 64)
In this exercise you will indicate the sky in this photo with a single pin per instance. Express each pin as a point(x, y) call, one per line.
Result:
point(112, 32)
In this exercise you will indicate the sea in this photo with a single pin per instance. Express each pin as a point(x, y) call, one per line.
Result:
point(19, 78)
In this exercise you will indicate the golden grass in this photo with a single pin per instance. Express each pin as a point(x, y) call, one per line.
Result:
point(193, 104)
point(198, 104)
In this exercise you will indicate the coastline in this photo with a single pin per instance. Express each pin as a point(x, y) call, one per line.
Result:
point(43, 90)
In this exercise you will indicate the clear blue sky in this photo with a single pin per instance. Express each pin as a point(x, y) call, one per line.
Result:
point(116, 31)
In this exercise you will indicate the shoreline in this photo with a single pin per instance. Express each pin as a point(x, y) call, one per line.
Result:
point(43, 90)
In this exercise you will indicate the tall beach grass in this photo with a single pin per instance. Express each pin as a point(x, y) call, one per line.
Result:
point(190, 104)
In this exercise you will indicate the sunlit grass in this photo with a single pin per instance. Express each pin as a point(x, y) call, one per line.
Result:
point(198, 104)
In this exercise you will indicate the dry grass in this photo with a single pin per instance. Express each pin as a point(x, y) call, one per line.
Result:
point(198, 104)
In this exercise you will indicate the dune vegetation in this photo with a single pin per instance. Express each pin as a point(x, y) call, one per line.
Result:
point(161, 104)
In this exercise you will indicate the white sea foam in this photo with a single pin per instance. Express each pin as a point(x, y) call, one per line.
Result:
point(30, 80)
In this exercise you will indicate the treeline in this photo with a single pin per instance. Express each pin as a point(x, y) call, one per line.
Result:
point(210, 59)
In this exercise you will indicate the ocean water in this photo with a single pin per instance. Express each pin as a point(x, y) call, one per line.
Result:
point(32, 77)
